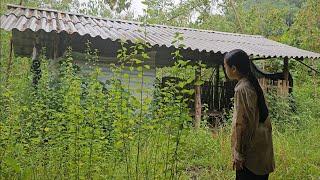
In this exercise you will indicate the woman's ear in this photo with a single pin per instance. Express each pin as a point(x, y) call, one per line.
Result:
point(234, 69)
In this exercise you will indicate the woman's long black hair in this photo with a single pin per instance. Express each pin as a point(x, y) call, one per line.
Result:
point(240, 60)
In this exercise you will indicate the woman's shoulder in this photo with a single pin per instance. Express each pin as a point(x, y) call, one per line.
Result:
point(244, 86)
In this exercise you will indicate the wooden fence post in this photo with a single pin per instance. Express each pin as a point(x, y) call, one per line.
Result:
point(197, 98)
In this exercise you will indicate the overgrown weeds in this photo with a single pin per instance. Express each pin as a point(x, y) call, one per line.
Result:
point(72, 125)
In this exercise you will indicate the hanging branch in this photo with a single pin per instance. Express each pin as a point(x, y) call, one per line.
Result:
point(316, 71)
point(236, 14)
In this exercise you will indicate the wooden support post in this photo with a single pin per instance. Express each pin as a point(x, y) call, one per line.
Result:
point(315, 83)
point(9, 62)
point(197, 98)
point(55, 46)
point(35, 67)
point(286, 73)
point(216, 88)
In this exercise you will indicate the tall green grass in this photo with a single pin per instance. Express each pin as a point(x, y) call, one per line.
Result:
point(73, 127)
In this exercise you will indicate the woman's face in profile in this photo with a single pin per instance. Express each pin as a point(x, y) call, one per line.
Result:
point(230, 71)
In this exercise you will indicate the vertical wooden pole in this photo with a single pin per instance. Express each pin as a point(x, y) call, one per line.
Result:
point(35, 67)
point(286, 74)
point(9, 61)
point(55, 46)
point(314, 78)
point(216, 88)
point(197, 98)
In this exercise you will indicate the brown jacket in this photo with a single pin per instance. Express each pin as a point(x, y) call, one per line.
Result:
point(251, 141)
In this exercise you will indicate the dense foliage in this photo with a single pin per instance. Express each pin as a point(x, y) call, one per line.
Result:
point(71, 125)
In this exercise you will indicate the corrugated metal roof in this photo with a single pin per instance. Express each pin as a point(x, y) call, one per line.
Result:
point(35, 19)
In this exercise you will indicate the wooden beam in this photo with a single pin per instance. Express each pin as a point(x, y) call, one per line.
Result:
point(286, 68)
point(260, 58)
point(286, 74)
point(197, 98)
point(9, 61)
point(297, 59)
point(313, 69)
point(216, 87)
point(55, 46)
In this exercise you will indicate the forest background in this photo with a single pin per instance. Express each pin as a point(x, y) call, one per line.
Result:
point(70, 127)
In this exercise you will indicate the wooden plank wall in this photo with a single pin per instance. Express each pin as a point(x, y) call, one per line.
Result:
point(280, 86)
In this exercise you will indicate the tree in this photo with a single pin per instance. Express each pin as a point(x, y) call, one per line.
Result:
point(118, 5)
point(305, 32)
point(158, 11)
point(106, 8)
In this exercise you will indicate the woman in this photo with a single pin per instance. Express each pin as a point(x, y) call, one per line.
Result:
point(251, 136)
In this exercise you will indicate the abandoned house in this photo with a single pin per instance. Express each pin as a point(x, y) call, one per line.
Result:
point(34, 27)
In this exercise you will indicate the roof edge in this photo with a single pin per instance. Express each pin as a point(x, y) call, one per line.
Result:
point(133, 22)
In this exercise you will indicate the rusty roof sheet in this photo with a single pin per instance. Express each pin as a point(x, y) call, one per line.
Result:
point(35, 19)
